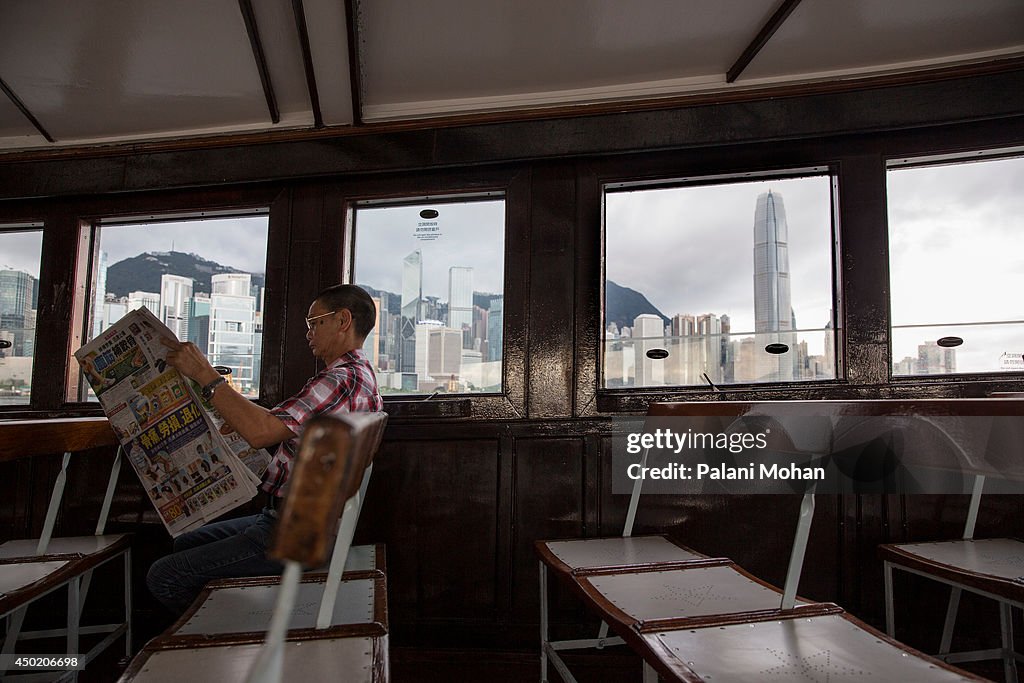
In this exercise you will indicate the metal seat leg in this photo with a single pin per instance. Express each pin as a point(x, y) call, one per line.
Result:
point(1006, 626)
point(543, 624)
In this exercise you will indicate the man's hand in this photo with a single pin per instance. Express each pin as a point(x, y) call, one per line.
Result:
point(254, 423)
point(187, 359)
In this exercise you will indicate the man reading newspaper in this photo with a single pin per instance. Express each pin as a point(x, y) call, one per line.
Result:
point(339, 320)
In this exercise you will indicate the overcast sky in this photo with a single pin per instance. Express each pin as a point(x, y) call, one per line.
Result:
point(471, 234)
point(237, 242)
point(21, 251)
point(955, 242)
point(691, 249)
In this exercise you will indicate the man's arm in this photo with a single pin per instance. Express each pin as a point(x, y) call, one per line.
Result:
point(254, 423)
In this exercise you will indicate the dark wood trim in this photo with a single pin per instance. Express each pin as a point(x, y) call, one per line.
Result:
point(16, 101)
point(379, 666)
point(812, 125)
point(588, 304)
point(580, 111)
point(378, 626)
point(307, 62)
point(275, 297)
point(28, 438)
point(762, 38)
point(904, 558)
point(355, 62)
point(864, 319)
point(505, 532)
point(701, 562)
point(77, 565)
point(253, 31)
point(814, 609)
point(549, 355)
point(55, 308)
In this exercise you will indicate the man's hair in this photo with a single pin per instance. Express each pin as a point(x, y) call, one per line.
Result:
point(357, 301)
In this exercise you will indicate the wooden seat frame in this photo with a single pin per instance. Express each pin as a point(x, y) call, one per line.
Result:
point(72, 570)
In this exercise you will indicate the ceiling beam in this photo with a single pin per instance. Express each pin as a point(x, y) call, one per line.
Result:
point(769, 29)
point(24, 110)
point(307, 62)
point(261, 60)
point(354, 61)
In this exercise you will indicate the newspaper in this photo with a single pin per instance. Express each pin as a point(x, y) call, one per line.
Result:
point(191, 472)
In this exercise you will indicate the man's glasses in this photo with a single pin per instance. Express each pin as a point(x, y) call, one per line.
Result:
point(310, 321)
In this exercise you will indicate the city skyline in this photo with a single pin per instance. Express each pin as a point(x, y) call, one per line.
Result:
point(704, 347)
point(471, 233)
point(717, 277)
point(929, 209)
point(696, 267)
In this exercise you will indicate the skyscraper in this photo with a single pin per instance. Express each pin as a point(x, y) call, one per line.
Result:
point(150, 300)
point(772, 303)
point(175, 292)
point(412, 286)
point(495, 328)
point(773, 309)
point(370, 345)
point(933, 359)
point(460, 297)
point(709, 330)
point(412, 309)
point(17, 312)
point(649, 333)
point(99, 296)
point(232, 326)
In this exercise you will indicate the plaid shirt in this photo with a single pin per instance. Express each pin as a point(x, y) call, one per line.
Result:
point(347, 385)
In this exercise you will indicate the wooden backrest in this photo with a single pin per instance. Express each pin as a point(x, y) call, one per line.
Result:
point(30, 438)
point(27, 438)
point(328, 469)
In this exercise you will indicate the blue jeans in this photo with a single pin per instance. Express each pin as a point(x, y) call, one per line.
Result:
point(228, 549)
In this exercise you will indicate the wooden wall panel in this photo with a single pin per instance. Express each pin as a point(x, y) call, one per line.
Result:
point(434, 503)
point(552, 262)
point(304, 262)
point(548, 505)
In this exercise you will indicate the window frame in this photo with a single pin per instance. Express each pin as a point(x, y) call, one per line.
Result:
point(675, 169)
point(512, 185)
point(62, 218)
point(85, 275)
point(911, 160)
point(24, 225)
point(716, 180)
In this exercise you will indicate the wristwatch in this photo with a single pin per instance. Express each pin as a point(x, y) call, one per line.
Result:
point(212, 387)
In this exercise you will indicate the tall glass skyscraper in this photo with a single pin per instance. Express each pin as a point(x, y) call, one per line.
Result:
point(17, 310)
point(460, 297)
point(773, 309)
point(412, 286)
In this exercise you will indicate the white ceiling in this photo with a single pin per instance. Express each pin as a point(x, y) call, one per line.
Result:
point(109, 71)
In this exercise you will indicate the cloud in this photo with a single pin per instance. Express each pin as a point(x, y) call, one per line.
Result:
point(237, 242)
point(471, 233)
point(21, 250)
point(690, 249)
